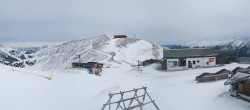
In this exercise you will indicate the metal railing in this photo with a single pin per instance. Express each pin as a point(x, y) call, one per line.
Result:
point(138, 100)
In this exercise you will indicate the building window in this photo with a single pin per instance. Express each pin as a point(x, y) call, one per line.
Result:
point(194, 62)
point(198, 61)
point(172, 63)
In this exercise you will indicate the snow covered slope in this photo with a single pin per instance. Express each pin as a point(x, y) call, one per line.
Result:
point(244, 48)
point(102, 49)
point(78, 90)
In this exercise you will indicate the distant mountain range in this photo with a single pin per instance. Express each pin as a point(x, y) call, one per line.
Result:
point(16, 56)
point(237, 46)
point(110, 50)
point(30, 44)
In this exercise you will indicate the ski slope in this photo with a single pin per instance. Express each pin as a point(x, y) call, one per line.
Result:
point(78, 90)
point(104, 49)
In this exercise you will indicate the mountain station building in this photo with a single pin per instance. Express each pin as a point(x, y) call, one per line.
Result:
point(178, 59)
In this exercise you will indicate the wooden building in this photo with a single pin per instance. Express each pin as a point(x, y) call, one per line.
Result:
point(150, 61)
point(206, 77)
point(176, 59)
point(240, 85)
point(120, 36)
point(240, 69)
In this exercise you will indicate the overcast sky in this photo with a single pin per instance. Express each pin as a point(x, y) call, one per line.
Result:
point(161, 21)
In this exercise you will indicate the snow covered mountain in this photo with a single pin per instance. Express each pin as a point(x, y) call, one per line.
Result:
point(239, 45)
point(9, 55)
point(244, 48)
point(102, 49)
point(230, 43)
point(16, 56)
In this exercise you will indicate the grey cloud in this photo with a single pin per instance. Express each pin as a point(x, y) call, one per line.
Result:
point(161, 21)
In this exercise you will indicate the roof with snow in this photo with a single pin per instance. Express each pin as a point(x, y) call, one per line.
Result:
point(223, 71)
point(183, 53)
point(240, 76)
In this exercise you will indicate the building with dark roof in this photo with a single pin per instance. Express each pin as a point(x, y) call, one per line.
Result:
point(188, 58)
point(87, 65)
point(120, 36)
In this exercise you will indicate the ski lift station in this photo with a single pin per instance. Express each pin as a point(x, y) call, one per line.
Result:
point(178, 59)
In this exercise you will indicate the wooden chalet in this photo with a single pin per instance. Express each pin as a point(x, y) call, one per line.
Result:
point(240, 85)
point(206, 77)
point(237, 69)
point(150, 61)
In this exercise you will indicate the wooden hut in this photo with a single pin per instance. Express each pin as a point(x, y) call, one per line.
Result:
point(240, 69)
point(206, 77)
point(240, 85)
point(150, 61)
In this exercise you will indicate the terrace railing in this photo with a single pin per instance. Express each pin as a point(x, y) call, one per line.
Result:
point(138, 99)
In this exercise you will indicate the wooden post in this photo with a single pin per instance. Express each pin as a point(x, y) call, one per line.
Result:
point(138, 65)
point(79, 56)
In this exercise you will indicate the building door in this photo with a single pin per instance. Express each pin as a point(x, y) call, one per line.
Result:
point(189, 64)
point(182, 62)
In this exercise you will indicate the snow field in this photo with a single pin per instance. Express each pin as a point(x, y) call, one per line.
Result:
point(78, 90)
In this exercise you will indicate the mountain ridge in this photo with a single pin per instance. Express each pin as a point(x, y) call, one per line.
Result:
point(240, 46)
point(102, 48)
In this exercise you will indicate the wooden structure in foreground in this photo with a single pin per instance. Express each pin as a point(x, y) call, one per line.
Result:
point(240, 85)
point(206, 77)
point(240, 69)
point(139, 98)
